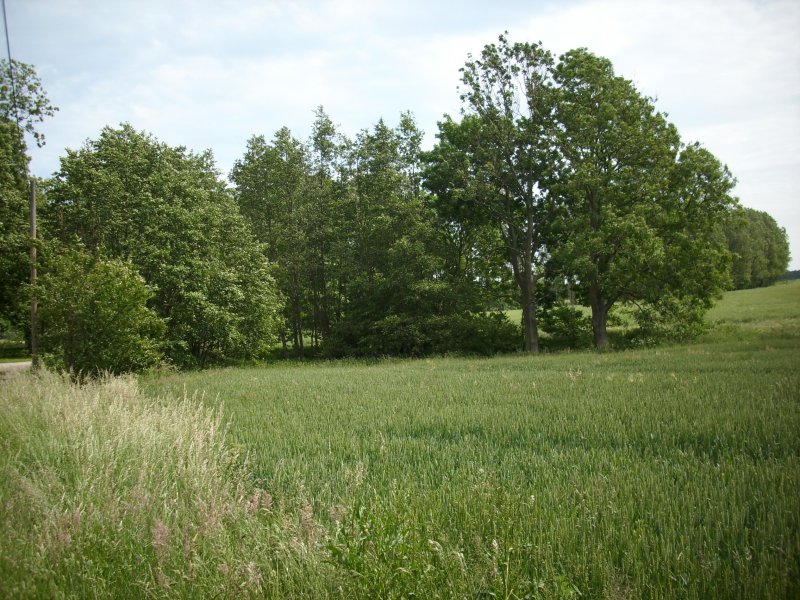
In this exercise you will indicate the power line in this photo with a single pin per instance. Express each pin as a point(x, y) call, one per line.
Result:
point(10, 65)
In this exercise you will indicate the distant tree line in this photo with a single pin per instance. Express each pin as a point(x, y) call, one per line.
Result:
point(759, 248)
point(559, 185)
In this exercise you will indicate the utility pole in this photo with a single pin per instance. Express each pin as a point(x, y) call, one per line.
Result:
point(34, 303)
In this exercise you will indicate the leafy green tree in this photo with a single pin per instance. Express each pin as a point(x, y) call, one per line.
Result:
point(497, 159)
point(361, 262)
point(759, 248)
point(128, 196)
point(272, 192)
point(23, 104)
point(94, 315)
point(326, 235)
point(471, 242)
point(14, 236)
point(404, 295)
point(637, 209)
point(382, 215)
point(23, 100)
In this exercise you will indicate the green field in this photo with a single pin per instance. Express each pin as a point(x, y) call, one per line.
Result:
point(671, 472)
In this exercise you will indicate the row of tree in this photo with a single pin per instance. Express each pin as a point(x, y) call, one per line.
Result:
point(559, 185)
point(759, 248)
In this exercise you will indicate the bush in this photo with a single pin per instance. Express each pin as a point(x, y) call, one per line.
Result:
point(94, 316)
point(407, 335)
point(673, 318)
point(567, 325)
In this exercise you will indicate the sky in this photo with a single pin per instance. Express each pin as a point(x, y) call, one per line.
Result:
point(210, 75)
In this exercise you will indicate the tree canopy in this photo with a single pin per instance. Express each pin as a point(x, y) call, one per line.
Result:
point(126, 195)
point(560, 184)
point(491, 168)
point(758, 246)
point(95, 316)
point(585, 183)
point(23, 105)
point(362, 260)
point(23, 100)
point(636, 207)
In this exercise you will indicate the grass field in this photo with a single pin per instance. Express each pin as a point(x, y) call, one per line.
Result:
point(672, 472)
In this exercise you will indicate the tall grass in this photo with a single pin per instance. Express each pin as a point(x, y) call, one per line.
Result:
point(105, 493)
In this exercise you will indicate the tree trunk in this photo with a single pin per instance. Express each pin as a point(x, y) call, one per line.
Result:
point(529, 325)
point(599, 314)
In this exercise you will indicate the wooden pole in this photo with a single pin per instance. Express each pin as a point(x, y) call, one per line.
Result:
point(34, 303)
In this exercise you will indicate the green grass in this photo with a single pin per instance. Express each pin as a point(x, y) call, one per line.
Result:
point(106, 493)
point(775, 307)
point(672, 472)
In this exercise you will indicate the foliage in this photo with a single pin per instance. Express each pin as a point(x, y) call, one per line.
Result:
point(567, 324)
point(272, 190)
point(363, 264)
point(22, 99)
point(790, 275)
point(23, 104)
point(637, 208)
point(14, 228)
point(94, 315)
point(759, 248)
point(582, 181)
point(129, 196)
point(489, 169)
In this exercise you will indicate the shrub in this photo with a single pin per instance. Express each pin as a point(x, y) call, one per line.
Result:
point(94, 316)
point(672, 318)
point(408, 335)
point(567, 324)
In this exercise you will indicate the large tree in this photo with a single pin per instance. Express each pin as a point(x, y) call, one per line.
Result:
point(491, 168)
point(636, 208)
point(589, 188)
point(126, 195)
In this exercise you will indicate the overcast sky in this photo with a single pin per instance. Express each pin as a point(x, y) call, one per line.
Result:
point(211, 74)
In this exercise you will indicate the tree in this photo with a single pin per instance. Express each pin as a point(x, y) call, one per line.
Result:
point(383, 232)
point(327, 248)
point(94, 315)
point(23, 100)
point(472, 243)
point(759, 248)
point(498, 158)
point(14, 238)
point(128, 196)
point(271, 184)
point(23, 104)
point(635, 208)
